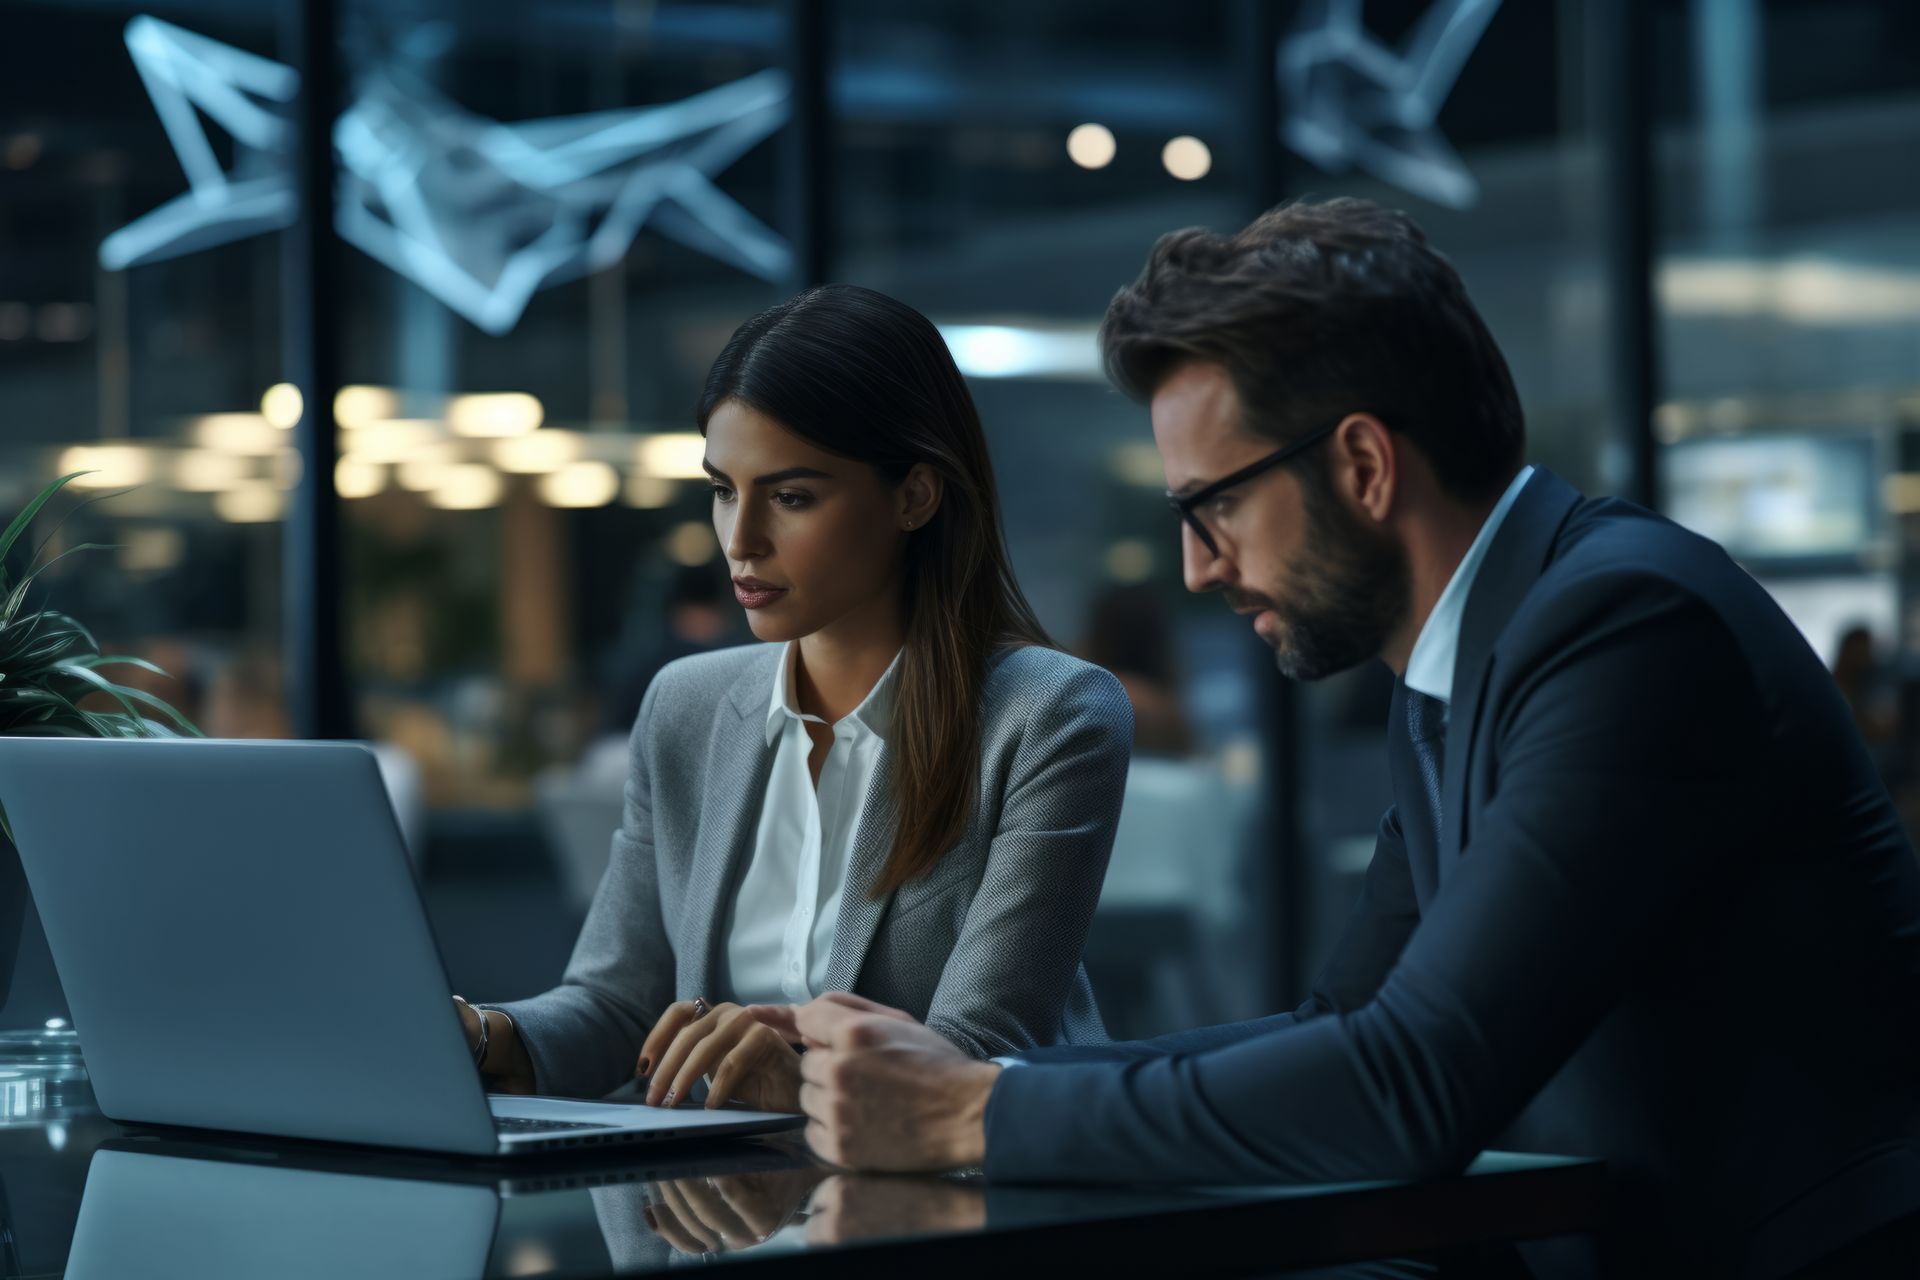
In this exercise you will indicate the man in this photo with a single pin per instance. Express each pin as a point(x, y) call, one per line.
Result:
point(1640, 895)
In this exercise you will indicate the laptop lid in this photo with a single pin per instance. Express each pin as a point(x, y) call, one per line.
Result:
point(240, 939)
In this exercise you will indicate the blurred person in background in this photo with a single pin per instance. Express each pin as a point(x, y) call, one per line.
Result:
point(1127, 633)
point(699, 616)
point(906, 792)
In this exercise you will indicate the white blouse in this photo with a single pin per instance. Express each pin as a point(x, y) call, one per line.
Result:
point(789, 900)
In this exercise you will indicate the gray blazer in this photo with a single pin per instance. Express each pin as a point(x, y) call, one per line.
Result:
point(985, 948)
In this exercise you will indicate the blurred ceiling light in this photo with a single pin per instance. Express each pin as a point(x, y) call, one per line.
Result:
point(63, 321)
point(691, 544)
point(649, 493)
point(1130, 560)
point(355, 407)
point(281, 405)
point(16, 319)
point(22, 150)
point(204, 471)
point(537, 452)
point(247, 434)
point(256, 502)
point(1187, 158)
point(506, 413)
point(392, 440)
point(580, 484)
point(1091, 146)
point(288, 468)
point(1009, 351)
point(114, 466)
point(425, 468)
point(673, 455)
point(151, 550)
point(467, 487)
point(355, 477)
point(1901, 492)
point(1810, 291)
point(1138, 462)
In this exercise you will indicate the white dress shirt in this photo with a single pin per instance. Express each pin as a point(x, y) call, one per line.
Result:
point(789, 900)
point(1435, 650)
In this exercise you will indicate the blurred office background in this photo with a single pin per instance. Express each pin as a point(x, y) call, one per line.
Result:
point(1694, 225)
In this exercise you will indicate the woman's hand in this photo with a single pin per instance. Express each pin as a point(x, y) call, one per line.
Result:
point(507, 1068)
point(745, 1059)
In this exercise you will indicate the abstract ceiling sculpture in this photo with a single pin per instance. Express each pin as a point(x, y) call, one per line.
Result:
point(1353, 102)
point(479, 213)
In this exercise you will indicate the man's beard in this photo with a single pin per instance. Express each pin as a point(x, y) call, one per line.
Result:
point(1344, 600)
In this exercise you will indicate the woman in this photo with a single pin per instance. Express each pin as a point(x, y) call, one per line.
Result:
point(905, 793)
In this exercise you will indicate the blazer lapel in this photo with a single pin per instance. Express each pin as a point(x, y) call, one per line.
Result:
point(859, 912)
point(1515, 559)
point(738, 764)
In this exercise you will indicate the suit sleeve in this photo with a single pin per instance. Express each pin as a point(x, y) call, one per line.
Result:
point(584, 1036)
point(1005, 983)
point(1626, 758)
point(1382, 919)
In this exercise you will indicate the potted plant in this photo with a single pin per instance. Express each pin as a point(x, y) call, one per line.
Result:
point(52, 684)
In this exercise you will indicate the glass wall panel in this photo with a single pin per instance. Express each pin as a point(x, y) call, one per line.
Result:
point(1788, 281)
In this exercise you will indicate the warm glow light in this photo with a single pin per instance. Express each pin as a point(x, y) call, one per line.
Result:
point(692, 544)
point(256, 502)
point(281, 405)
point(1130, 560)
point(537, 452)
point(425, 468)
point(507, 413)
point(1187, 158)
point(204, 471)
point(1091, 146)
point(247, 434)
point(467, 487)
point(673, 455)
point(580, 484)
point(357, 407)
point(649, 493)
point(1138, 462)
point(114, 466)
point(355, 477)
point(394, 440)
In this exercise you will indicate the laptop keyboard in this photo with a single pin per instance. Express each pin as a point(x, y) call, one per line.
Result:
point(524, 1124)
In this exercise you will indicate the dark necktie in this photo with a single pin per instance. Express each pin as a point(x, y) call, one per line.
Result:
point(1427, 735)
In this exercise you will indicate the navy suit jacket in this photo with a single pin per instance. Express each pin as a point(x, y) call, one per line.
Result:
point(1672, 920)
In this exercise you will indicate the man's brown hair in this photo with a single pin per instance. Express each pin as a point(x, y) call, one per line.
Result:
point(1317, 310)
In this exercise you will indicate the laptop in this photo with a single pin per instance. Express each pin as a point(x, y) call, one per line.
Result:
point(243, 947)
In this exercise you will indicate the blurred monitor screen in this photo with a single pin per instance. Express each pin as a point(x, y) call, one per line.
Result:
point(1775, 498)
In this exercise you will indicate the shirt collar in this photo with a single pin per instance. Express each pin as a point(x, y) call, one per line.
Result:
point(874, 714)
point(1435, 651)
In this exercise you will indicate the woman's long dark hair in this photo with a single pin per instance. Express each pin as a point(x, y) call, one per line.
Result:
point(868, 378)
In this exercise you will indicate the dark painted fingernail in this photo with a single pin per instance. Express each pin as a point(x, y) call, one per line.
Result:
point(646, 1066)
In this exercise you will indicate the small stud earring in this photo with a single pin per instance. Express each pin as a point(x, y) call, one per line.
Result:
point(909, 524)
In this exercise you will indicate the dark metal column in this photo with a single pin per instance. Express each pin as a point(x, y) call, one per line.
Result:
point(1624, 114)
point(809, 142)
point(1282, 850)
point(312, 585)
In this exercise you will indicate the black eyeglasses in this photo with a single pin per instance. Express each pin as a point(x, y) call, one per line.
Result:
point(1188, 506)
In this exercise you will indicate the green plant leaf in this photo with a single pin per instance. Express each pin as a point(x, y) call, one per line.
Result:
point(98, 660)
point(19, 593)
point(25, 518)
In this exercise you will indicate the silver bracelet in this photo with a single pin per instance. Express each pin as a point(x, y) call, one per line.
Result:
point(486, 1034)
